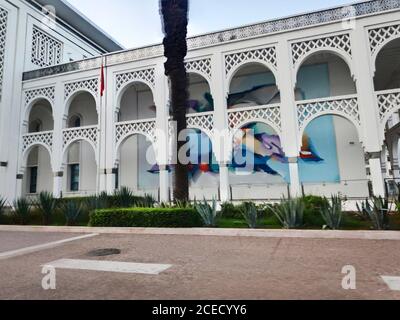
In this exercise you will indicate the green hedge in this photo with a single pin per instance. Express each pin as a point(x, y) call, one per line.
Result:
point(146, 218)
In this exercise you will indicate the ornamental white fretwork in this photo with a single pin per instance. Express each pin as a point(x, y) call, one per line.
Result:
point(147, 76)
point(3, 33)
point(340, 42)
point(91, 85)
point(202, 66)
point(261, 29)
point(379, 36)
point(46, 51)
point(40, 138)
point(202, 121)
point(388, 103)
point(89, 134)
point(347, 107)
point(124, 130)
point(270, 114)
point(47, 92)
point(264, 54)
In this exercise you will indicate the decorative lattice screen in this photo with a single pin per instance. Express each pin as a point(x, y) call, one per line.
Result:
point(3, 33)
point(46, 51)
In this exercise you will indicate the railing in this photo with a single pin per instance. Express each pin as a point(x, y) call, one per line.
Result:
point(125, 129)
point(259, 192)
point(352, 188)
point(235, 34)
point(202, 120)
point(88, 133)
point(270, 113)
point(344, 105)
point(44, 138)
point(388, 102)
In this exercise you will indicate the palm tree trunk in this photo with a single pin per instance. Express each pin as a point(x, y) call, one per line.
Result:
point(175, 21)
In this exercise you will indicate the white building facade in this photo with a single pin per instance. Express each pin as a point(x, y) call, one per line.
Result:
point(320, 93)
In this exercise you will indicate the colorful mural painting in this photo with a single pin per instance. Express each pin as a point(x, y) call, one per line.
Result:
point(257, 149)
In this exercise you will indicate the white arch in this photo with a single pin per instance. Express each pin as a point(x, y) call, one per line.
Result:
point(120, 93)
point(201, 74)
point(70, 143)
point(29, 149)
point(33, 102)
point(72, 97)
point(246, 122)
point(379, 49)
point(338, 52)
point(125, 137)
point(231, 74)
point(330, 113)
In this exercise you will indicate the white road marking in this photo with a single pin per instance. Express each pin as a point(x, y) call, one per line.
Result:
point(110, 266)
point(24, 251)
point(392, 282)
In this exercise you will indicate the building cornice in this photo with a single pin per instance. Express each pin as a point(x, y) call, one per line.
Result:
point(266, 28)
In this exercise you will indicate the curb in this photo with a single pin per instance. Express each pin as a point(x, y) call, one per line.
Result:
point(305, 234)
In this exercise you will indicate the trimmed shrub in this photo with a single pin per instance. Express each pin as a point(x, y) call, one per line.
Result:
point(146, 218)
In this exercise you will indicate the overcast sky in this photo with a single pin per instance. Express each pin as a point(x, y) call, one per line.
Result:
point(135, 23)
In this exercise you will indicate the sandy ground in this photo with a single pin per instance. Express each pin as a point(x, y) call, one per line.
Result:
point(203, 267)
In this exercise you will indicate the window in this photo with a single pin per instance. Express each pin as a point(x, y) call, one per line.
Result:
point(74, 122)
point(35, 126)
point(74, 178)
point(33, 177)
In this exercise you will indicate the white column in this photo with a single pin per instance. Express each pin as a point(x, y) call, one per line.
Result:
point(290, 134)
point(378, 182)
point(57, 184)
point(161, 99)
point(57, 156)
point(109, 155)
point(221, 142)
point(372, 134)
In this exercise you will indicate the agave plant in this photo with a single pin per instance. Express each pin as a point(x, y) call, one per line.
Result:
point(289, 212)
point(47, 205)
point(332, 213)
point(97, 202)
point(207, 212)
point(124, 197)
point(377, 211)
point(3, 203)
point(250, 213)
point(22, 210)
point(147, 201)
point(71, 210)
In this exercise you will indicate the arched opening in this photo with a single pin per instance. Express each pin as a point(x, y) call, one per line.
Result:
point(75, 121)
point(259, 168)
point(391, 154)
point(203, 166)
point(136, 103)
point(323, 75)
point(387, 74)
point(137, 168)
point(82, 111)
point(40, 117)
point(80, 169)
point(252, 85)
point(332, 159)
point(38, 175)
point(200, 98)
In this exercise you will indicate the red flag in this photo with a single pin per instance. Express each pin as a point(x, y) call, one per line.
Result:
point(102, 81)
